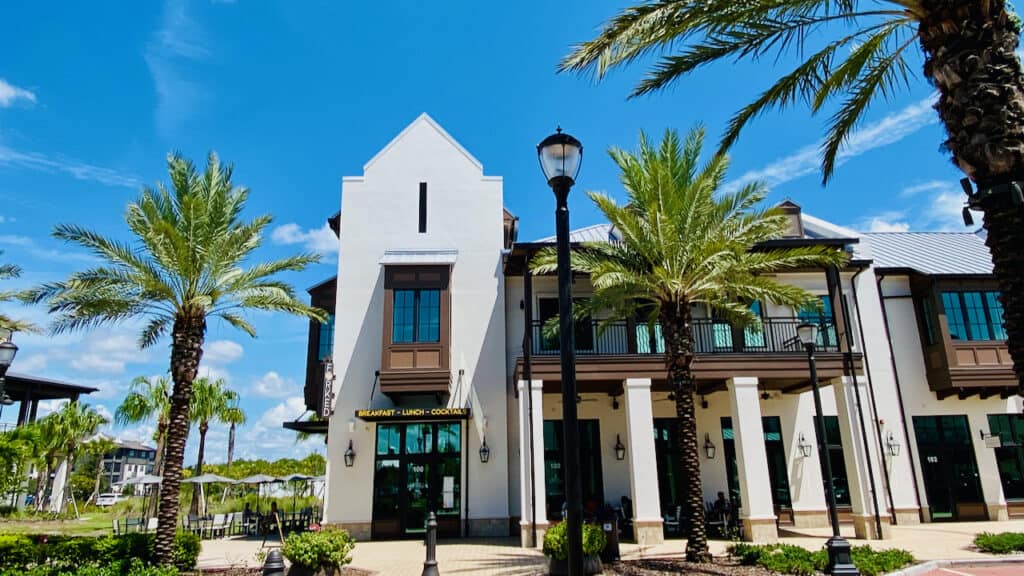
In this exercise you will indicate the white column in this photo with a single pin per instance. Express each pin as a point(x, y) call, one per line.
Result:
point(534, 390)
point(757, 513)
point(643, 463)
point(855, 456)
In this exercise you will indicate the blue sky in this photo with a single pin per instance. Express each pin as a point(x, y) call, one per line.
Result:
point(299, 94)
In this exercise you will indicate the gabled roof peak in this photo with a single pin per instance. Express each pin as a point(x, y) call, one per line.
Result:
point(423, 119)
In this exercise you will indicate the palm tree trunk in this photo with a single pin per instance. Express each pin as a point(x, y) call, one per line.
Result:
point(67, 478)
point(99, 476)
point(197, 492)
point(231, 445)
point(158, 465)
point(970, 57)
point(676, 324)
point(186, 351)
point(43, 485)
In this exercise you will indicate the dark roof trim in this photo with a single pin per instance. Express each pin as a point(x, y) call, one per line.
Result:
point(905, 271)
point(321, 284)
point(309, 427)
point(793, 242)
point(37, 382)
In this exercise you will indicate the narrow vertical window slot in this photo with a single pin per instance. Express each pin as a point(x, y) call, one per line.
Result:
point(423, 207)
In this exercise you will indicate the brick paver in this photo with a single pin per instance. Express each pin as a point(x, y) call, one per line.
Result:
point(487, 557)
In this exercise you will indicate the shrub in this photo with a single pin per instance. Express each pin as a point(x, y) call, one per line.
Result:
point(1001, 543)
point(556, 542)
point(186, 550)
point(787, 559)
point(324, 550)
point(17, 551)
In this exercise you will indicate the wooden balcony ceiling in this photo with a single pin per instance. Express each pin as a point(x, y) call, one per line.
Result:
point(786, 372)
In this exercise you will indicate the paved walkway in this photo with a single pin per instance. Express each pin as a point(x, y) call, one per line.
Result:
point(504, 556)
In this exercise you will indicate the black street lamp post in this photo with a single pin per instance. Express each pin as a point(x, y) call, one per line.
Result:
point(840, 563)
point(8, 350)
point(560, 156)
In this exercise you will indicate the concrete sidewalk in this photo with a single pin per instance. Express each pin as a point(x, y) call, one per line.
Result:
point(504, 556)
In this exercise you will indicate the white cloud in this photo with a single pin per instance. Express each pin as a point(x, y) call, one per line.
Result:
point(76, 168)
point(936, 207)
point(38, 252)
point(214, 373)
point(49, 406)
point(31, 364)
point(807, 160)
point(174, 48)
point(222, 352)
point(290, 409)
point(320, 240)
point(103, 411)
point(272, 385)
point(10, 94)
point(107, 355)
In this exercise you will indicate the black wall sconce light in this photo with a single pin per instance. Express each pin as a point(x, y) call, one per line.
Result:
point(709, 447)
point(620, 450)
point(485, 453)
point(350, 455)
point(892, 444)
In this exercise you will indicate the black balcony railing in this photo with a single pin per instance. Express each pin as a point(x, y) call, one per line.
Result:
point(710, 337)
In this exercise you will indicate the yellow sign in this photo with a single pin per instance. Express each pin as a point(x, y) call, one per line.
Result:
point(413, 414)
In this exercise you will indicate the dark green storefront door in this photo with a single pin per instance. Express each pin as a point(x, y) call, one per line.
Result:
point(417, 472)
point(948, 467)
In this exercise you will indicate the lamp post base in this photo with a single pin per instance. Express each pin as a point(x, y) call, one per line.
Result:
point(840, 562)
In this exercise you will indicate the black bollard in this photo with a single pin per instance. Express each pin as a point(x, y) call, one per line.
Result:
point(430, 565)
point(274, 564)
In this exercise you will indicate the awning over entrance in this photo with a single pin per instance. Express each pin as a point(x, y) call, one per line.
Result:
point(412, 414)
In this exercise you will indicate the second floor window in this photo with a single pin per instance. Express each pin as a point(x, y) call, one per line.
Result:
point(416, 316)
point(326, 344)
point(974, 315)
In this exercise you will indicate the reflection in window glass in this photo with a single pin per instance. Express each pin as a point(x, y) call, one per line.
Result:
point(419, 439)
point(995, 309)
point(976, 316)
point(429, 324)
point(1010, 455)
point(402, 325)
point(448, 438)
point(389, 438)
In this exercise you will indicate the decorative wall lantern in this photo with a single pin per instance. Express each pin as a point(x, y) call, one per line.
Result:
point(805, 446)
point(892, 444)
point(620, 450)
point(485, 452)
point(709, 447)
point(350, 455)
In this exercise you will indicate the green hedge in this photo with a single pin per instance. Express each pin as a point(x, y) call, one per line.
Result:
point(328, 549)
point(556, 541)
point(788, 559)
point(1001, 543)
point(82, 555)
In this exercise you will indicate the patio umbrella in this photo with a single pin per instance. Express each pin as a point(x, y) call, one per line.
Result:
point(259, 480)
point(208, 479)
point(295, 477)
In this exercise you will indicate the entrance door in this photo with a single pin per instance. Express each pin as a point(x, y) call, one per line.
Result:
point(948, 468)
point(417, 472)
point(590, 465)
point(778, 476)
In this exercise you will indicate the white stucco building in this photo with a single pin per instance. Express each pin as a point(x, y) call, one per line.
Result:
point(436, 350)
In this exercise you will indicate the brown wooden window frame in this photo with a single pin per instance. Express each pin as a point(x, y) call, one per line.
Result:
point(416, 277)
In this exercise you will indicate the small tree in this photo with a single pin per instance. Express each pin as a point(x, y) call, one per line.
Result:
point(686, 242)
point(187, 264)
point(234, 416)
point(148, 399)
point(98, 447)
point(211, 401)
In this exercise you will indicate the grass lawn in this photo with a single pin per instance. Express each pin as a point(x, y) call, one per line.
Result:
point(92, 523)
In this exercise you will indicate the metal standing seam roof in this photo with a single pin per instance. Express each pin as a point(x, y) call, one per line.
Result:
point(932, 253)
point(596, 233)
point(419, 257)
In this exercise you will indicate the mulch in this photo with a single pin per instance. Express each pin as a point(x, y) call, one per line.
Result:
point(259, 572)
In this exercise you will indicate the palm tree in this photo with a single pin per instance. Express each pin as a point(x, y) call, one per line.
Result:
point(8, 271)
point(148, 398)
point(234, 416)
point(72, 424)
point(211, 401)
point(686, 242)
point(856, 56)
point(187, 264)
point(98, 447)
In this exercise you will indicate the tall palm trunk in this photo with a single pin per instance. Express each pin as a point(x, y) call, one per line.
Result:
point(158, 464)
point(677, 327)
point(67, 477)
point(970, 57)
point(186, 351)
point(197, 489)
point(43, 485)
point(99, 477)
point(231, 445)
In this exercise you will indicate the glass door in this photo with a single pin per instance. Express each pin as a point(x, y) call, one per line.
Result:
point(948, 467)
point(417, 495)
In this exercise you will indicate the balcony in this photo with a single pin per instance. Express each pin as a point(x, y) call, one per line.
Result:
point(769, 350)
point(772, 335)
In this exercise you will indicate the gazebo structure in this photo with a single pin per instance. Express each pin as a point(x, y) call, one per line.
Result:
point(29, 390)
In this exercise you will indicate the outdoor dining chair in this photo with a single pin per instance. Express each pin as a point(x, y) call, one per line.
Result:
point(218, 526)
point(672, 523)
point(151, 525)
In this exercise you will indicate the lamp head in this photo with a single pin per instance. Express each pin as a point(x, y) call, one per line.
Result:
point(808, 334)
point(560, 157)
